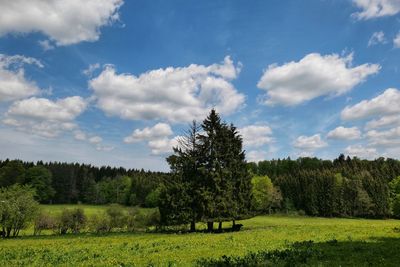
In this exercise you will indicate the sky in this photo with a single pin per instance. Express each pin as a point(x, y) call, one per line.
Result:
point(116, 82)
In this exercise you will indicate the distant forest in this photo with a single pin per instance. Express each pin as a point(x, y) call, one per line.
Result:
point(348, 187)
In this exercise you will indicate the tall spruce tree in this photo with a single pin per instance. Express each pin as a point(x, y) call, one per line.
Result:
point(211, 168)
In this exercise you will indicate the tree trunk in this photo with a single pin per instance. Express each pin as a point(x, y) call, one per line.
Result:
point(193, 226)
point(210, 226)
point(220, 227)
point(233, 224)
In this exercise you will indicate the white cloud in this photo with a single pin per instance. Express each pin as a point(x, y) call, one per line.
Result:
point(13, 83)
point(377, 38)
point(46, 45)
point(396, 41)
point(376, 8)
point(343, 133)
point(64, 22)
point(256, 135)
point(389, 137)
point(361, 152)
point(157, 138)
point(163, 146)
point(309, 142)
point(91, 68)
point(158, 131)
point(256, 155)
point(28, 147)
point(79, 135)
point(45, 117)
point(313, 76)
point(384, 104)
point(385, 121)
point(173, 94)
point(95, 139)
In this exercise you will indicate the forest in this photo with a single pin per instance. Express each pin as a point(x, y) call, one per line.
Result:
point(215, 163)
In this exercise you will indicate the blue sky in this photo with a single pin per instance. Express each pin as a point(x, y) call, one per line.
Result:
point(113, 82)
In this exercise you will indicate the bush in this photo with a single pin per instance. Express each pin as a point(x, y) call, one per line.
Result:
point(43, 221)
point(71, 220)
point(99, 224)
point(116, 216)
point(153, 198)
point(130, 219)
point(17, 209)
point(147, 219)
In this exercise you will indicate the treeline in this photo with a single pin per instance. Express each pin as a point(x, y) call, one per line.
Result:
point(69, 183)
point(342, 187)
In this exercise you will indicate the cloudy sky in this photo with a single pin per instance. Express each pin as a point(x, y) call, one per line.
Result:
point(115, 82)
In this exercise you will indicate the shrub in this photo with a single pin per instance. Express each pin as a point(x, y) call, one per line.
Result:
point(17, 209)
point(147, 219)
point(153, 198)
point(43, 221)
point(99, 224)
point(116, 216)
point(71, 220)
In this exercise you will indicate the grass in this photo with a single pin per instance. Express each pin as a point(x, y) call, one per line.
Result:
point(350, 242)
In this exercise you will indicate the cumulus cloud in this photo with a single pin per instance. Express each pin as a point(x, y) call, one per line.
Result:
point(309, 142)
point(158, 131)
point(313, 76)
point(396, 41)
point(256, 135)
point(173, 94)
point(343, 133)
point(377, 38)
point(80, 135)
point(385, 121)
point(91, 68)
point(46, 45)
point(384, 104)
point(389, 137)
point(361, 152)
point(45, 117)
point(376, 8)
point(163, 146)
point(95, 139)
point(158, 138)
point(13, 83)
point(64, 22)
point(256, 155)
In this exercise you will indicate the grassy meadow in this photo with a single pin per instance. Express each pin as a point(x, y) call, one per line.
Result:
point(354, 242)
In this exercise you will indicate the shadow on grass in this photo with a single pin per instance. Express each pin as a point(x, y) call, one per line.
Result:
point(375, 252)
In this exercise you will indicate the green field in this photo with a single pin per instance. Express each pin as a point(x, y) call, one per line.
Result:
point(354, 242)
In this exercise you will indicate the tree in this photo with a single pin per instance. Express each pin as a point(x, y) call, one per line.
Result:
point(13, 172)
point(40, 179)
point(394, 186)
point(265, 195)
point(17, 209)
point(210, 174)
point(183, 193)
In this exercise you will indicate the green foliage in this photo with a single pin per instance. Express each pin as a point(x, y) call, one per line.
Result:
point(43, 221)
point(11, 173)
point(17, 209)
point(210, 177)
point(40, 179)
point(116, 216)
point(266, 197)
point(70, 220)
point(153, 198)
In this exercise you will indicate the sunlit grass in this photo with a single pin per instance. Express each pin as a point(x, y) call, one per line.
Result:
point(259, 233)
